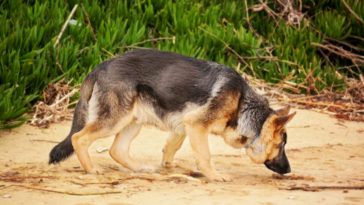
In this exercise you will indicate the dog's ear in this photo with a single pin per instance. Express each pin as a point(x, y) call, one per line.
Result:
point(281, 121)
point(283, 111)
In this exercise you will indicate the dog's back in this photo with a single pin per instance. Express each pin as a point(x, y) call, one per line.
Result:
point(164, 83)
point(170, 78)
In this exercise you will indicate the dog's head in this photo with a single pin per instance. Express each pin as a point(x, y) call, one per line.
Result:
point(268, 148)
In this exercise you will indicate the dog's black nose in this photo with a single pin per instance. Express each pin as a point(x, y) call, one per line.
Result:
point(285, 170)
point(288, 170)
point(279, 164)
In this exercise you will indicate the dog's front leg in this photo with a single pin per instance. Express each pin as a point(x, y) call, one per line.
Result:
point(174, 143)
point(198, 136)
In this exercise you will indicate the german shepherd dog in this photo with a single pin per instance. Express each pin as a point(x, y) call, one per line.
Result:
point(183, 95)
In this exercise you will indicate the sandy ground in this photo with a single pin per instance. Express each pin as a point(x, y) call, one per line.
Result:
point(322, 151)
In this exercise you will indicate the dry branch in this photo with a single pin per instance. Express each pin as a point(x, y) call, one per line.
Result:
point(316, 103)
point(270, 12)
point(57, 60)
point(292, 15)
point(347, 105)
point(346, 44)
point(352, 12)
point(318, 188)
point(108, 52)
point(63, 192)
point(248, 21)
point(135, 45)
point(89, 22)
point(230, 49)
point(355, 58)
point(273, 58)
point(23, 178)
point(54, 108)
point(65, 25)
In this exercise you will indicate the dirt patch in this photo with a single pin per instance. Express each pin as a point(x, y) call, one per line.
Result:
point(326, 157)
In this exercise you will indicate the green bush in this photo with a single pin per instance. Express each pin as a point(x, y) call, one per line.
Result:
point(213, 30)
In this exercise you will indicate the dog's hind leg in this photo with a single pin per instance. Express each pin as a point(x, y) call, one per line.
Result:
point(119, 150)
point(173, 144)
point(81, 142)
point(91, 132)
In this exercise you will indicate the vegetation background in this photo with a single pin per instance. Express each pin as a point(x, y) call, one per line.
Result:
point(312, 45)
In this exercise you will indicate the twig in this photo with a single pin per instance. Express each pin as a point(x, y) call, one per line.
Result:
point(63, 192)
point(247, 20)
point(22, 178)
point(348, 68)
point(318, 188)
point(352, 12)
point(57, 60)
point(293, 16)
point(276, 62)
point(89, 22)
point(65, 25)
point(315, 103)
point(82, 50)
point(341, 52)
point(232, 50)
point(70, 94)
point(96, 183)
point(134, 45)
point(326, 57)
point(346, 44)
point(273, 58)
point(270, 12)
point(108, 52)
point(40, 140)
point(357, 37)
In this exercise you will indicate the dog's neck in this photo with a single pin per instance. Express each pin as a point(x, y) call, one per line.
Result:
point(252, 117)
point(246, 126)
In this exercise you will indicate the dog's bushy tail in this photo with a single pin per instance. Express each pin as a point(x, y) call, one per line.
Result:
point(64, 149)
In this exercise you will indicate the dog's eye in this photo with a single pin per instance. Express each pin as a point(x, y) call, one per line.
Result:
point(243, 139)
point(285, 137)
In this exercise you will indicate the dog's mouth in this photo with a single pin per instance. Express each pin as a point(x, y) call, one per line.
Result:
point(278, 169)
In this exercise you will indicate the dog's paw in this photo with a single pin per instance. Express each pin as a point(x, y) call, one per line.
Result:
point(220, 178)
point(144, 169)
point(95, 170)
point(147, 169)
point(167, 164)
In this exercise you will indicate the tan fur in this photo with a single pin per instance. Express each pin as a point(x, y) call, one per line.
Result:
point(91, 132)
point(270, 138)
point(173, 144)
point(197, 128)
point(283, 111)
point(232, 138)
point(119, 150)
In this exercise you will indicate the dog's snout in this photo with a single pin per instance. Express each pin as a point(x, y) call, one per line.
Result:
point(279, 164)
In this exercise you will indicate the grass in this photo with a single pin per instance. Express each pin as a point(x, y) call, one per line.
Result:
point(212, 30)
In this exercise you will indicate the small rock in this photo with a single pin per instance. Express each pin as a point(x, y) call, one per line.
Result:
point(101, 149)
point(7, 196)
point(291, 197)
point(74, 22)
